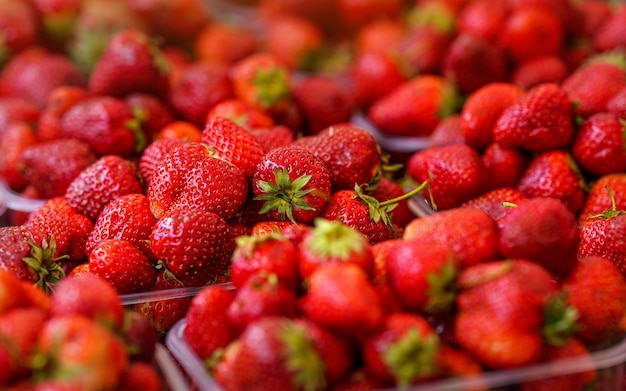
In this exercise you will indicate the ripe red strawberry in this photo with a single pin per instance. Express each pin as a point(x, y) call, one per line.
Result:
point(471, 233)
point(539, 70)
point(554, 174)
point(57, 20)
point(90, 296)
point(373, 75)
point(152, 156)
point(543, 230)
point(195, 245)
point(340, 296)
point(123, 265)
point(105, 123)
point(271, 252)
point(331, 242)
point(260, 296)
point(50, 166)
point(422, 275)
point(482, 18)
point(610, 32)
point(592, 84)
point(17, 109)
point(356, 14)
point(600, 234)
point(494, 201)
point(202, 86)
point(126, 217)
point(152, 112)
point(295, 41)
point(383, 351)
point(388, 189)
point(415, 107)
point(223, 42)
point(177, 21)
point(13, 291)
point(140, 375)
point(601, 157)
point(241, 113)
point(274, 137)
point(455, 173)
point(20, 25)
point(109, 177)
point(505, 166)
point(482, 109)
point(233, 143)
point(617, 104)
point(140, 336)
point(422, 48)
point(293, 183)
point(207, 328)
point(540, 120)
point(16, 137)
point(473, 62)
point(130, 63)
point(192, 177)
point(598, 199)
point(59, 101)
point(593, 273)
point(530, 31)
point(350, 153)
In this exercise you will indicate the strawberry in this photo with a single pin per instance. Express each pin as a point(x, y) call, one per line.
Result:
point(340, 296)
point(414, 107)
point(241, 113)
point(50, 166)
point(329, 242)
point(164, 313)
point(127, 217)
point(130, 63)
point(482, 18)
point(421, 49)
point(176, 21)
point(293, 183)
point(140, 375)
point(19, 26)
point(543, 230)
point(17, 109)
point(16, 137)
point(207, 328)
point(271, 252)
point(610, 32)
point(233, 143)
point(152, 112)
point(494, 201)
point(356, 14)
point(540, 120)
point(554, 174)
point(471, 233)
point(324, 13)
point(592, 84)
point(201, 86)
point(373, 75)
point(295, 41)
point(539, 70)
point(34, 73)
point(323, 102)
point(88, 295)
point(123, 265)
point(593, 273)
point(617, 104)
point(598, 199)
point(600, 235)
point(338, 146)
point(194, 245)
point(140, 336)
point(107, 178)
point(59, 101)
point(385, 351)
point(153, 154)
point(388, 189)
point(13, 290)
point(192, 177)
point(260, 296)
point(457, 166)
point(57, 20)
point(180, 130)
point(274, 137)
point(105, 123)
point(505, 166)
point(600, 158)
point(224, 42)
point(473, 62)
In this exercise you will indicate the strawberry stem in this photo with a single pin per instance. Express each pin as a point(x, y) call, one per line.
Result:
point(405, 196)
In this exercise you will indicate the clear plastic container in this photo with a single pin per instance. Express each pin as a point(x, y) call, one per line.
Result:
point(609, 364)
point(14, 207)
point(173, 378)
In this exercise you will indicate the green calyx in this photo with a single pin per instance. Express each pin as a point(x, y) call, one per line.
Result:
point(273, 86)
point(559, 322)
point(612, 211)
point(44, 263)
point(411, 357)
point(135, 125)
point(245, 245)
point(441, 288)
point(382, 210)
point(333, 239)
point(284, 195)
point(302, 358)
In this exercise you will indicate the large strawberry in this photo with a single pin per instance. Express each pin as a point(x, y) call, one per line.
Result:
point(505, 166)
point(598, 199)
point(599, 146)
point(194, 245)
point(293, 183)
point(540, 120)
point(495, 201)
point(130, 63)
point(192, 177)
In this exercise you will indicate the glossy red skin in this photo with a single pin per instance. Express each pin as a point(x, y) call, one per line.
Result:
point(492, 201)
point(599, 146)
point(16, 137)
point(604, 237)
point(592, 86)
point(598, 198)
point(153, 154)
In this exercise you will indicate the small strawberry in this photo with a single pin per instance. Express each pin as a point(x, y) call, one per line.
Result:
point(495, 201)
point(455, 173)
point(153, 154)
point(57, 20)
point(295, 41)
point(373, 75)
point(233, 143)
point(123, 265)
point(16, 137)
point(601, 157)
point(17, 109)
point(415, 107)
point(598, 199)
point(50, 166)
point(472, 234)
point(543, 230)
point(176, 21)
point(388, 189)
point(130, 63)
point(356, 14)
point(274, 137)
point(152, 112)
point(19, 26)
point(505, 166)
point(192, 177)
point(554, 174)
point(241, 113)
point(540, 120)
point(539, 70)
point(207, 329)
point(482, 18)
point(107, 178)
point(293, 183)
point(422, 48)
point(140, 336)
point(59, 101)
point(193, 244)
point(610, 32)
point(225, 43)
point(617, 104)
point(140, 375)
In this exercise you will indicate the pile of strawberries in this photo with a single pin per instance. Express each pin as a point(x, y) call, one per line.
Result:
point(174, 149)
